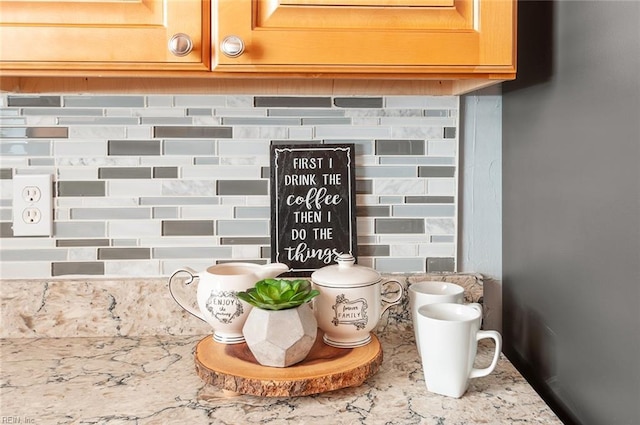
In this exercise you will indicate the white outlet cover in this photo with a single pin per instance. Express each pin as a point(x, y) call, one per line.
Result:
point(32, 205)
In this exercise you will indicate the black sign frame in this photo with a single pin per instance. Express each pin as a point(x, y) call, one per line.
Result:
point(312, 184)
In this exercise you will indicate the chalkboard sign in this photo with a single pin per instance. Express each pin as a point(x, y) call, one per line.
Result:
point(313, 216)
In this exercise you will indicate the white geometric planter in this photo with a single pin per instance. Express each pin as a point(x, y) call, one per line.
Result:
point(280, 338)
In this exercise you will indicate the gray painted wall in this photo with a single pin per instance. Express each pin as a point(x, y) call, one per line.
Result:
point(480, 235)
point(571, 215)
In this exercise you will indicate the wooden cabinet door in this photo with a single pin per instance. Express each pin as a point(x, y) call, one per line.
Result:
point(406, 36)
point(103, 35)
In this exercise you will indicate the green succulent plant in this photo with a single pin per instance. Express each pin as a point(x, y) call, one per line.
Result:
point(279, 294)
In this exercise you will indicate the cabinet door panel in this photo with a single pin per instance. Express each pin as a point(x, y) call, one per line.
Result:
point(405, 35)
point(103, 34)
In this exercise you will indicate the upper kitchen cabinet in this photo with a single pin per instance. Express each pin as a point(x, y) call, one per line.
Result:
point(105, 35)
point(440, 37)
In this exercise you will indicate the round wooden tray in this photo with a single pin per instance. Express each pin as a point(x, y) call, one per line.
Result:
point(233, 367)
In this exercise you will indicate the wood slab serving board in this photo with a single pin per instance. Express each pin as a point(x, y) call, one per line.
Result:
point(233, 367)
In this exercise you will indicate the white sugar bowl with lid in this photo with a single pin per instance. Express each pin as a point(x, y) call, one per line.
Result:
point(350, 302)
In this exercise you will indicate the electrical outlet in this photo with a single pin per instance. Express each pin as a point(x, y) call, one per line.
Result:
point(31, 215)
point(32, 205)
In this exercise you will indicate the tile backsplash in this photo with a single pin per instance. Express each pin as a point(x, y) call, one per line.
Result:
point(145, 184)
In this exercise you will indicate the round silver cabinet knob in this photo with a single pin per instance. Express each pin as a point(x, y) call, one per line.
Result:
point(180, 44)
point(232, 46)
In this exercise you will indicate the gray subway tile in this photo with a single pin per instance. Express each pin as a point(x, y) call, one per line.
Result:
point(42, 162)
point(390, 200)
point(398, 225)
point(242, 187)
point(178, 200)
point(198, 112)
point(422, 210)
point(442, 239)
point(6, 173)
point(308, 112)
point(124, 242)
point(296, 142)
point(124, 173)
point(79, 229)
point(449, 132)
point(133, 213)
point(416, 160)
point(439, 113)
point(33, 254)
point(373, 211)
point(77, 268)
point(74, 243)
point(374, 250)
point(326, 121)
point(260, 121)
point(390, 171)
point(62, 112)
point(9, 112)
point(440, 265)
point(207, 160)
point(436, 171)
point(124, 253)
point(34, 132)
point(364, 187)
point(183, 121)
point(48, 132)
point(29, 100)
point(133, 147)
point(429, 199)
point(245, 241)
point(191, 252)
point(187, 228)
point(98, 121)
point(358, 102)
point(398, 265)
point(165, 172)
point(81, 188)
point(291, 102)
point(193, 132)
point(189, 147)
point(6, 230)
point(164, 212)
point(252, 212)
point(242, 227)
point(104, 101)
point(400, 147)
point(265, 172)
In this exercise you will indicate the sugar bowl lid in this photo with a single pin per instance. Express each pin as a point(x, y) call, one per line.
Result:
point(346, 273)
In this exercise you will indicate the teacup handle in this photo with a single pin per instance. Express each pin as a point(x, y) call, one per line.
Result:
point(182, 302)
point(394, 300)
point(477, 373)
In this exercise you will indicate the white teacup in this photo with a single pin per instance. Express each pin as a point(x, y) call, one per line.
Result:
point(449, 335)
point(433, 292)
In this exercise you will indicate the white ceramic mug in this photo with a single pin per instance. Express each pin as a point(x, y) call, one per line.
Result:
point(449, 335)
point(433, 292)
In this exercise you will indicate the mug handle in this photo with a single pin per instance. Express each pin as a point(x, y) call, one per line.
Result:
point(178, 298)
point(391, 301)
point(477, 373)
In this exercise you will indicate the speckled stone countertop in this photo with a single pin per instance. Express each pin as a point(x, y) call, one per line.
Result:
point(106, 352)
point(151, 380)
